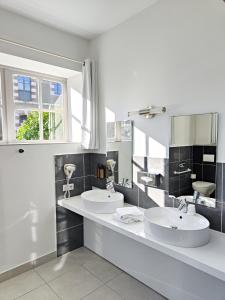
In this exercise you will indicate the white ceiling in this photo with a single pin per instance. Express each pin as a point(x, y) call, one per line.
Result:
point(87, 18)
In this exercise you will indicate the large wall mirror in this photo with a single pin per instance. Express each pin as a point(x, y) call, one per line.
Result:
point(119, 147)
point(192, 157)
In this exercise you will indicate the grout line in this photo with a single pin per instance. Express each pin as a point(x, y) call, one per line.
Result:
point(104, 282)
point(36, 288)
point(75, 177)
point(59, 275)
point(70, 227)
point(71, 178)
point(53, 291)
point(92, 291)
point(121, 296)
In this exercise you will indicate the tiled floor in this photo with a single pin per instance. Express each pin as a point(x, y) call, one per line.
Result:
point(81, 274)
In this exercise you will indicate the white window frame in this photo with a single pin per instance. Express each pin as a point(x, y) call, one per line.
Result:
point(9, 132)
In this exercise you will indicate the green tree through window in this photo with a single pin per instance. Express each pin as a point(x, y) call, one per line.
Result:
point(29, 129)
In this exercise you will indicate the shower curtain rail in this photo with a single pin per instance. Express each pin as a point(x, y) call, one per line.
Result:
point(39, 50)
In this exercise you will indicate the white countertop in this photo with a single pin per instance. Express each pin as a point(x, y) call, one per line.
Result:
point(209, 258)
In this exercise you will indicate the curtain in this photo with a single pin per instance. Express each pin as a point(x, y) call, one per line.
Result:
point(89, 126)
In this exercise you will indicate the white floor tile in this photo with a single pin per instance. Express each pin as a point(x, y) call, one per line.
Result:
point(103, 293)
point(20, 285)
point(83, 255)
point(56, 268)
point(75, 284)
point(102, 269)
point(41, 293)
point(131, 289)
point(77, 275)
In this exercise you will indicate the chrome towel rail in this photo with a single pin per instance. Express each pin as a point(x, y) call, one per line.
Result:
point(182, 172)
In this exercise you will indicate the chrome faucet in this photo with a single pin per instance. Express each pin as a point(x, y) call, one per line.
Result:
point(196, 196)
point(110, 187)
point(183, 206)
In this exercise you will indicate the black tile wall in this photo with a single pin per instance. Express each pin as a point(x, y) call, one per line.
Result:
point(87, 164)
point(78, 187)
point(223, 217)
point(204, 171)
point(214, 215)
point(219, 182)
point(69, 239)
point(61, 160)
point(95, 160)
point(66, 219)
point(207, 171)
point(180, 159)
point(130, 195)
point(69, 225)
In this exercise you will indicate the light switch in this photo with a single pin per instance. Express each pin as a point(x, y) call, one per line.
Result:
point(208, 157)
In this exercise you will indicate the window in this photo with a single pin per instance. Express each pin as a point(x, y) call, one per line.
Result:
point(36, 107)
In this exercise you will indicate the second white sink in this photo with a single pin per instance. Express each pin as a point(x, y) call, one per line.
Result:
point(102, 201)
point(171, 226)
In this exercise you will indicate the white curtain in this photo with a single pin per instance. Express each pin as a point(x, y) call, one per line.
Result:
point(90, 132)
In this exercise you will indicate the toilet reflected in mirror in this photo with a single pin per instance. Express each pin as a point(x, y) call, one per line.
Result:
point(192, 158)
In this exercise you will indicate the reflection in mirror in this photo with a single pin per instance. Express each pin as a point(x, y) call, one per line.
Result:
point(192, 158)
point(119, 147)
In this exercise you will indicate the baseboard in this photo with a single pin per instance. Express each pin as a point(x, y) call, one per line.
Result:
point(27, 266)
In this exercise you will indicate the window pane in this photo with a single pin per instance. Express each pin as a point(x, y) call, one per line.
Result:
point(27, 125)
point(126, 130)
point(51, 94)
point(53, 126)
point(25, 89)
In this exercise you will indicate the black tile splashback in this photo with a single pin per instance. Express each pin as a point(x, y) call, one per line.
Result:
point(95, 160)
point(181, 158)
point(219, 182)
point(205, 171)
point(66, 219)
point(130, 195)
point(70, 225)
point(61, 160)
point(78, 187)
point(69, 239)
point(214, 215)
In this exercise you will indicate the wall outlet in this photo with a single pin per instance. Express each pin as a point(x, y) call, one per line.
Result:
point(68, 187)
point(193, 176)
point(208, 157)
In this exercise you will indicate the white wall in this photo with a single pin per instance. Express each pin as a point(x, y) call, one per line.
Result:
point(22, 30)
point(171, 54)
point(27, 189)
point(27, 202)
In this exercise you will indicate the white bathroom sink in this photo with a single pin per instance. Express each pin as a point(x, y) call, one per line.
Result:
point(171, 226)
point(102, 201)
